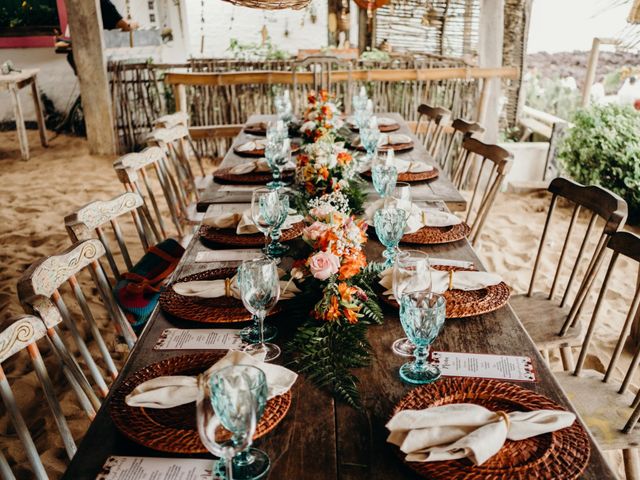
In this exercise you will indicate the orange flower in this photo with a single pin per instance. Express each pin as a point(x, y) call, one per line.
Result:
point(352, 265)
point(326, 112)
point(346, 292)
point(324, 172)
point(344, 158)
point(334, 310)
point(350, 315)
point(324, 95)
point(311, 98)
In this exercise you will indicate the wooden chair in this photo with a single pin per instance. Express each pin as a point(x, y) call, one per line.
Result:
point(89, 221)
point(453, 152)
point(606, 404)
point(554, 325)
point(488, 181)
point(23, 333)
point(432, 134)
point(46, 277)
point(321, 68)
point(133, 171)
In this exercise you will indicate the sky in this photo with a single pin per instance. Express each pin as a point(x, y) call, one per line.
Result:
point(567, 25)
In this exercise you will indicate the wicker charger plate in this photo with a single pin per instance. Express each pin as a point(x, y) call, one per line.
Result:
point(434, 235)
point(398, 147)
point(228, 236)
point(383, 128)
point(462, 304)
point(295, 147)
point(208, 310)
point(259, 128)
point(174, 430)
point(412, 177)
point(223, 175)
point(562, 454)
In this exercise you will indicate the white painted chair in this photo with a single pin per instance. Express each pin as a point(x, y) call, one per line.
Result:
point(555, 324)
point(46, 277)
point(608, 407)
point(90, 221)
point(487, 180)
point(133, 171)
point(23, 333)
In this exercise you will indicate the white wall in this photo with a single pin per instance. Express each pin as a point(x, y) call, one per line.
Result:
point(224, 21)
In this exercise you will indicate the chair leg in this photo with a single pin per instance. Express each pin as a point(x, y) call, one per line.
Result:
point(568, 363)
point(545, 355)
point(631, 463)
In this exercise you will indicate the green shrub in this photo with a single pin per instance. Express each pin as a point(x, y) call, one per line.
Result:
point(603, 148)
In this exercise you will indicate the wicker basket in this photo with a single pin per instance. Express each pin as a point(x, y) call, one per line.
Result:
point(271, 5)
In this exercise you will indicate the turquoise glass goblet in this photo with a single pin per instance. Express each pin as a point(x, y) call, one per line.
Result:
point(422, 316)
point(384, 177)
point(390, 223)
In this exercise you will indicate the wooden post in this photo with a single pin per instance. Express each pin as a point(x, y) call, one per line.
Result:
point(366, 29)
point(85, 24)
point(591, 72)
point(491, 43)
point(332, 22)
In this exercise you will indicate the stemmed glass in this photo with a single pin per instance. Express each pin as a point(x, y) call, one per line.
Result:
point(260, 289)
point(422, 316)
point(363, 116)
point(411, 274)
point(269, 210)
point(384, 176)
point(390, 223)
point(233, 398)
point(369, 138)
point(360, 100)
point(402, 191)
point(284, 109)
point(278, 155)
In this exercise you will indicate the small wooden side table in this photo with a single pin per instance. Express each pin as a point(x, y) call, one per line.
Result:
point(13, 82)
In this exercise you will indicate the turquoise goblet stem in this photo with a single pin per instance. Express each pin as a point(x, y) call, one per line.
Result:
point(390, 255)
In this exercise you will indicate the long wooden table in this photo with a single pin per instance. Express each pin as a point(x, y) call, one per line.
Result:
point(440, 188)
point(321, 439)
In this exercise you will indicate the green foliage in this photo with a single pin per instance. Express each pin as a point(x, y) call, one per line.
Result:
point(551, 95)
point(375, 55)
point(255, 51)
point(356, 194)
point(327, 351)
point(29, 13)
point(603, 148)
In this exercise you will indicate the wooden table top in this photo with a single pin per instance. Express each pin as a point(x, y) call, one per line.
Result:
point(440, 188)
point(18, 77)
point(320, 438)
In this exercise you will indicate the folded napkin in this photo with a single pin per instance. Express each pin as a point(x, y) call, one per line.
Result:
point(244, 223)
point(251, 146)
point(385, 121)
point(226, 288)
point(443, 281)
point(418, 217)
point(394, 139)
point(465, 430)
point(260, 165)
point(171, 391)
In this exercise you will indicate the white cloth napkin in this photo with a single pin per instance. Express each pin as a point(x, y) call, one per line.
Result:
point(418, 217)
point(244, 223)
point(394, 139)
point(465, 430)
point(218, 288)
point(251, 145)
point(385, 121)
point(260, 165)
point(462, 280)
point(171, 391)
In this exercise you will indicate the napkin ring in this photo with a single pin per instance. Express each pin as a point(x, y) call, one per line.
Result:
point(504, 416)
point(227, 287)
point(450, 279)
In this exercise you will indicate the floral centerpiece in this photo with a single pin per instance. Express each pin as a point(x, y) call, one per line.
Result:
point(321, 117)
point(337, 281)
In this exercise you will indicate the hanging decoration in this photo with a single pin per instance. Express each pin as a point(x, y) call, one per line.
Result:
point(313, 14)
point(371, 5)
point(271, 4)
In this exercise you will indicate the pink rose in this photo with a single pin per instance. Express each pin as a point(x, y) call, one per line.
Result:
point(314, 231)
point(323, 265)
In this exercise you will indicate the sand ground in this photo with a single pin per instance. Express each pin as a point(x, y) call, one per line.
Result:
point(36, 195)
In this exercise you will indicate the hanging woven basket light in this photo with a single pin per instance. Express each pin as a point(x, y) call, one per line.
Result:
point(371, 5)
point(271, 4)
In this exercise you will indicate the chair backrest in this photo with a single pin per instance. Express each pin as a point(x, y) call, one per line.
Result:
point(23, 333)
point(171, 120)
point(89, 221)
point(321, 68)
point(453, 152)
point(46, 277)
point(133, 171)
point(599, 203)
point(488, 180)
point(432, 134)
point(628, 245)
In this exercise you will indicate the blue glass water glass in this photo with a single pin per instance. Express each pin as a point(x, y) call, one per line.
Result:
point(384, 177)
point(280, 158)
point(370, 137)
point(225, 399)
point(269, 211)
point(259, 285)
point(390, 223)
point(422, 316)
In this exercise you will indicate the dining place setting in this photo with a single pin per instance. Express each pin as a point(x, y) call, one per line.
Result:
point(322, 302)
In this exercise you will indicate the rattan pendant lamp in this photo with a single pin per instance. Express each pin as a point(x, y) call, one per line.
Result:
point(271, 4)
